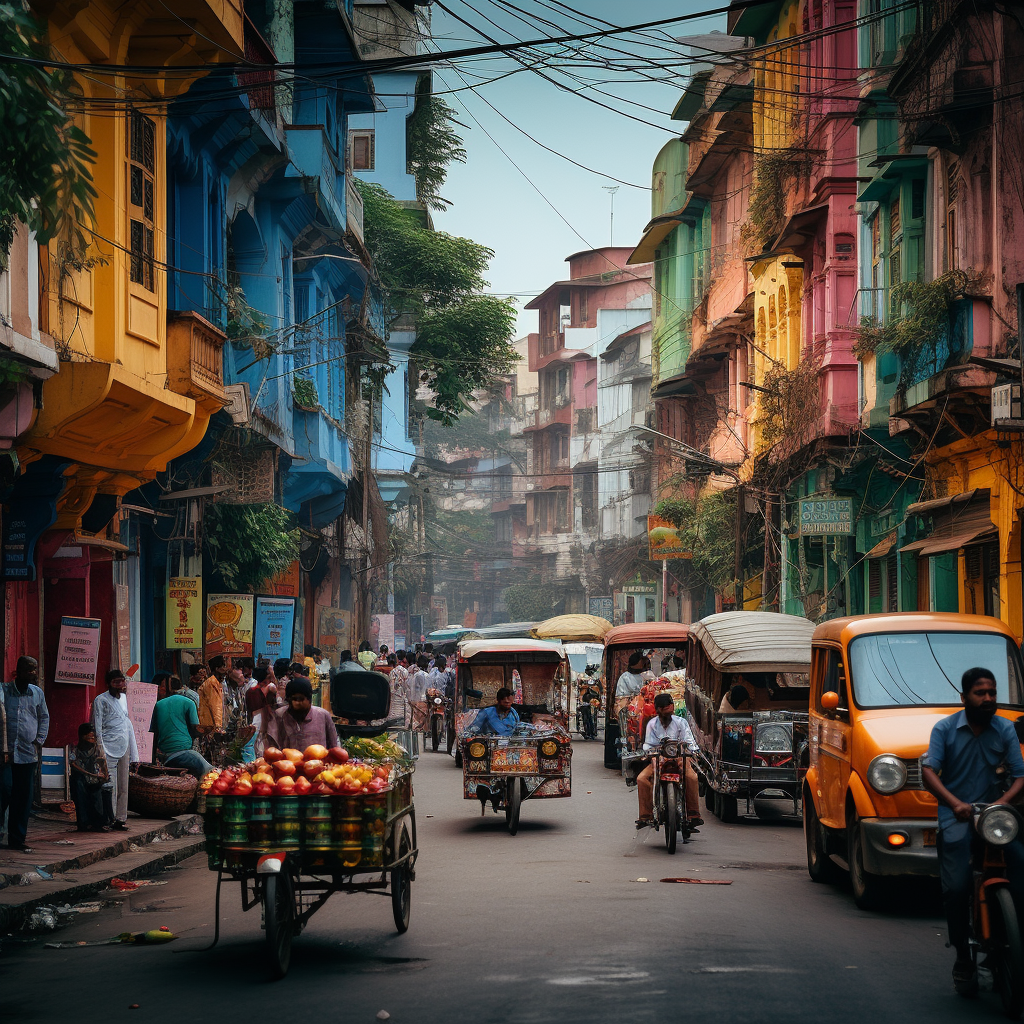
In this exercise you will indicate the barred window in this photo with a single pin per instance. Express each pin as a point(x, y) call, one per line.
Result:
point(141, 143)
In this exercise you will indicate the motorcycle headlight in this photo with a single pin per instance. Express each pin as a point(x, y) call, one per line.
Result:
point(437, 700)
point(998, 824)
point(774, 738)
point(549, 748)
point(887, 773)
point(670, 749)
point(477, 749)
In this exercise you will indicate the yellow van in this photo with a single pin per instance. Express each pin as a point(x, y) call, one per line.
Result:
point(879, 683)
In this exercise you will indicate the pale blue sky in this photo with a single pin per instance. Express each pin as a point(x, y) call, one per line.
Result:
point(492, 201)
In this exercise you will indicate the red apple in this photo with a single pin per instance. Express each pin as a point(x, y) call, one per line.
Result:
point(315, 752)
point(376, 785)
point(243, 787)
point(284, 768)
point(220, 787)
point(302, 785)
point(263, 789)
point(285, 786)
point(311, 769)
point(383, 773)
point(293, 755)
point(272, 754)
point(337, 755)
point(350, 786)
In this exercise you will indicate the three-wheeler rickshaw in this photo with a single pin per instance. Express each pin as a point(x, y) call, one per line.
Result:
point(290, 853)
point(536, 760)
point(756, 743)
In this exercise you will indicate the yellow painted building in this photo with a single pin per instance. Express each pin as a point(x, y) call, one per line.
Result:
point(131, 391)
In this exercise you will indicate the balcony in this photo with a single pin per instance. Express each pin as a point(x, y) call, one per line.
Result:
point(353, 210)
point(312, 158)
point(551, 415)
point(195, 361)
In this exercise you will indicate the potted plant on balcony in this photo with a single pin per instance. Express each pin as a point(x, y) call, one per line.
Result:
point(304, 394)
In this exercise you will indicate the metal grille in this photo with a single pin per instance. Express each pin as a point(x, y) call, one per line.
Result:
point(913, 773)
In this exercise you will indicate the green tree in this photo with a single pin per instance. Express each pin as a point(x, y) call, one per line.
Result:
point(707, 527)
point(432, 143)
point(250, 543)
point(45, 180)
point(463, 338)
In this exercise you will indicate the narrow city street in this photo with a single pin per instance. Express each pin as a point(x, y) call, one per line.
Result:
point(554, 924)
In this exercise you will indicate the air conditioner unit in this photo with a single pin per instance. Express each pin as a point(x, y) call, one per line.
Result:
point(1006, 405)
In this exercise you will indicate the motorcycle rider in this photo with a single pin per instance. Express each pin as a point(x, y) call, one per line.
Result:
point(667, 726)
point(962, 767)
point(589, 689)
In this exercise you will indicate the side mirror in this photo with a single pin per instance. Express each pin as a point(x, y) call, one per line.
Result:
point(830, 700)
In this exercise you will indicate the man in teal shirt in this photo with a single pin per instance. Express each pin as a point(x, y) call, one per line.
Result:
point(175, 724)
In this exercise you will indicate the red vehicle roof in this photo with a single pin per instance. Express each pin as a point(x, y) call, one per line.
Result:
point(660, 634)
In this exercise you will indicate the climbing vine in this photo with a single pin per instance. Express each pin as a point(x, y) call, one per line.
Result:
point(789, 404)
point(773, 174)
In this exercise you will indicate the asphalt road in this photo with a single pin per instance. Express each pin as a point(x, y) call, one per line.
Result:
point(551, 925)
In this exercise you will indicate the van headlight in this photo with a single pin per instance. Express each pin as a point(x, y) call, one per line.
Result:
point(998, 824)
point(887, 773)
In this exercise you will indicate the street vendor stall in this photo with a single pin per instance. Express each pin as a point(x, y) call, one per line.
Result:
point(294, 827)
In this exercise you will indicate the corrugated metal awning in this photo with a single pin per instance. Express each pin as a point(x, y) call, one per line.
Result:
point(883, 547)
point(958, 521)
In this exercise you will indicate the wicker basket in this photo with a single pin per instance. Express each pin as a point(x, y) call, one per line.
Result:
point(158, 792)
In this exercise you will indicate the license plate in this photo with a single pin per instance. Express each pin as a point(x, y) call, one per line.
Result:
point(929, 836)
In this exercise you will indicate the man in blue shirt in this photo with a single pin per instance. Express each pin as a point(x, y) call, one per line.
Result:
point(963, 766)
point(499, 720)
point(28, 722)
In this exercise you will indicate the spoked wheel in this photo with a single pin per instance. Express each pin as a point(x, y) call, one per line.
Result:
point(279, 921)
point(671, 816)
point(513, 803)
point(1009, 968)
point(401, 885)
point(435, 732)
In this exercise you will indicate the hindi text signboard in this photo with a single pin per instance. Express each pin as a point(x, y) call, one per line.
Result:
point(78, 651)
point(141, 699)
point(826, 516)
point(184, 608)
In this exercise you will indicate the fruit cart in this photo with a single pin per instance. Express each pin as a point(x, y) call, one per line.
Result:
point(352, 829)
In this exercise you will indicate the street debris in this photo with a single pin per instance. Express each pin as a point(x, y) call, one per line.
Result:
point(642, 879)
point(383, 1014)
point(701, 881)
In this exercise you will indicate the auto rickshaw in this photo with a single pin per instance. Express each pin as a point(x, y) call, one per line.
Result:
point(534, 762)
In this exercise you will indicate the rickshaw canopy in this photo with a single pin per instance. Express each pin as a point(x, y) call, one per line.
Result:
point(578, 628)
point(756, 641)
point(656, 634)
point(472, 648)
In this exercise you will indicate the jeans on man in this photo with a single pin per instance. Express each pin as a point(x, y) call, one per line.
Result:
point(88, 799)
point(16, 799)
point(191, 760)
point(957, 876)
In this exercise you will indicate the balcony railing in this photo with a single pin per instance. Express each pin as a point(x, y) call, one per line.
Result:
point(195, 360)
point(259, 85)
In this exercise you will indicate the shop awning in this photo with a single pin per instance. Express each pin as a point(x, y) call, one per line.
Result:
point(889, 171)
point(883, 547)
point(958, 521)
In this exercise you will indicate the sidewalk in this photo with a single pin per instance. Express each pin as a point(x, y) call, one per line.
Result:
point(66, 865)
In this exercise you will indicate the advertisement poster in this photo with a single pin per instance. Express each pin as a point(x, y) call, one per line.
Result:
point(335, 624)
point(663, 540)
point(275, 619)
point(122, 627)
point(229, 625)
point(382, 631)
point(285, 583)
point(78, 651)
point(603, 607)
point(141, 698)
point(184, 605)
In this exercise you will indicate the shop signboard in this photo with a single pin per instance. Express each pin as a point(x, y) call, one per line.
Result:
point(826, 516)
point(275, 619)
point(663, 540)
point(229, 622)
point(122, 627)
point(602, 607)
point(184, 610)
point(78, 651)
point(141, 698)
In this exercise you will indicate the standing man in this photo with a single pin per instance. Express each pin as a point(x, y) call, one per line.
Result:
point(223, 722)
point(418, 683)
point(299, 724)
point(27, 723)
point(174, 725)
point(115, 736)
point(962, 767)
point(399, 678)
point(630, 683)
point(196, 678)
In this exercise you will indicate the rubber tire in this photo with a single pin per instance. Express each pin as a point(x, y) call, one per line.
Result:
point(867, 888)
point(1009, 978)
point(709, 798)
point(279, 922)
point(820, 866)
point(458, 758)
point(726, 809)
point(671, 816)
point(513, 805)
point(401, 886)
point(435, 732)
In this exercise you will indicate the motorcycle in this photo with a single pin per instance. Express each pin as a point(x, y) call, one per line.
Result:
point(587, 714)
point(995, 926)
point(670, 811)
point(437, 710)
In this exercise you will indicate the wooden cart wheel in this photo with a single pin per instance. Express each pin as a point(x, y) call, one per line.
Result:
point(513, 803)
point(401, 885)
point(279, 921)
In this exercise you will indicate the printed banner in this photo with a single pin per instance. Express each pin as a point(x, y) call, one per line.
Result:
point(382, 631)
point(184, 610)
point(335, 624)
point(78, 651)
point(229, 625)
point(275, 618)
point(663, 540)
point(141, 699)
point(122, 627)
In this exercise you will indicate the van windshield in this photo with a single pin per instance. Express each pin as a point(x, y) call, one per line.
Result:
point(924, 669)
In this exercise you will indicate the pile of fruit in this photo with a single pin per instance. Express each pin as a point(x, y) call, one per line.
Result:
point(300, 772)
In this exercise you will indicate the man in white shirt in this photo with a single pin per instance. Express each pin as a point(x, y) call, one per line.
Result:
point(630, 682)
point(115, 736)
point(667, 726)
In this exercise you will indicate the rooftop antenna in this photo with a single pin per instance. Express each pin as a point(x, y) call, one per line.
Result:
point(611, 190)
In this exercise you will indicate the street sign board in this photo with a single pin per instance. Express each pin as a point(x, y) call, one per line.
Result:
point(826, 516)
